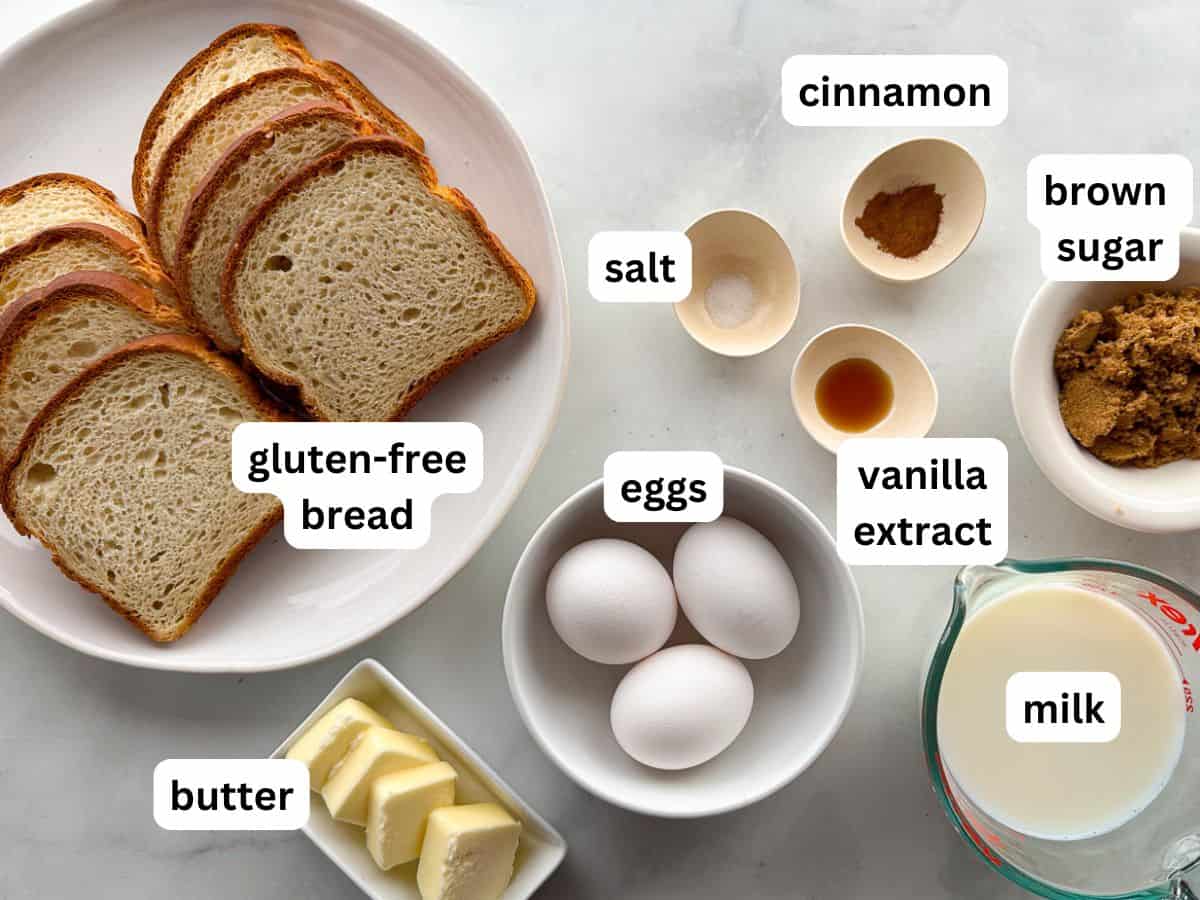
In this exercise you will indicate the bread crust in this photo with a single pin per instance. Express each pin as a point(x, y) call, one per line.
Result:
point(168, 343)
point(179, 144)
point(248, 145)
point(331, 161)
point(14, 192)
point(135, 253)
point(285, 38)
point(350, 83)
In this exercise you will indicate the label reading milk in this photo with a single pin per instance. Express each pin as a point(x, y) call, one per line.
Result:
point(640, 266)
point(357, 485)
point(1109, 216)
point(1063, 707)
point(664, 486)
point(892, 89)
point(231, 794)
point(922, 501)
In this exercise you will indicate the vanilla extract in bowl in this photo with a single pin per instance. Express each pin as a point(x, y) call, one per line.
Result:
point(855, 395)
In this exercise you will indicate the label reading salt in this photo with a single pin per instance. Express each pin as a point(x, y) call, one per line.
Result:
point(664, 486)
point(895, 89)
point(922, 501)
point(640, 266)
point(1109, 216)
point(357, 485)
point(1063, 707)
point(231, 794)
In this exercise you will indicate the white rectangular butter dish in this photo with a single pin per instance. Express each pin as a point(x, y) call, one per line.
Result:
point(541, 848)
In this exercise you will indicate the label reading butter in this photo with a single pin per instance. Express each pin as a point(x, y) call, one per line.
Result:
point(640, 266)
point(231, 794)
point(1109, 216)
point(357, 485)
point(922, 501)
point(663, 486)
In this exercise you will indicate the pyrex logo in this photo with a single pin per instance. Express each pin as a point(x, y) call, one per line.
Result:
point(1188, 631)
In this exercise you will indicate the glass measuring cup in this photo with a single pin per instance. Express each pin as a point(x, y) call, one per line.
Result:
point(1156, 853)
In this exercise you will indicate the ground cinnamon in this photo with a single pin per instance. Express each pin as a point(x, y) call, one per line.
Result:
point(905, 223)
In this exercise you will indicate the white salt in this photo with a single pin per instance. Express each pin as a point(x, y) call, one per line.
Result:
point(730, 300)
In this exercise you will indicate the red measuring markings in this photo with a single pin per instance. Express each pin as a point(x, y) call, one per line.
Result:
point(1189, 629)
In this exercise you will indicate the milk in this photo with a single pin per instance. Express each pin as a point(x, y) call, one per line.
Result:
point(1059, 791)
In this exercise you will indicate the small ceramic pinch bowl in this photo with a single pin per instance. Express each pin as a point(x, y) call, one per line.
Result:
point(801, 695)
point(915, 393)
point(1162, 500)
point(539, 852)
point(957, 177)
point(727, 244)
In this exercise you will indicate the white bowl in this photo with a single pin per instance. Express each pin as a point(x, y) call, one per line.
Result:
point(286, 607)
point(955, 174)
point(915, 393)
point(1166, 499)
point(801, 696)
point(541, 848)
point(732, 242)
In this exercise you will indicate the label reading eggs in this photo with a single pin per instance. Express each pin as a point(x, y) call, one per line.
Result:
point(1109, 216)
point(357, 485)
point(664, 486)
point(640, 266)
point(922, 501)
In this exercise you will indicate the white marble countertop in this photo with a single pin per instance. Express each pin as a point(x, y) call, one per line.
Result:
point(642, 114)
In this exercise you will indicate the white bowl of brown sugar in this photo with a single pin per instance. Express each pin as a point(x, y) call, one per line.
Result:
point(1106, 390)
point(914, 209)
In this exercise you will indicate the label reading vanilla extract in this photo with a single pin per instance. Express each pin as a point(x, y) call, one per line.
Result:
point(894, 89)
point(922, 501)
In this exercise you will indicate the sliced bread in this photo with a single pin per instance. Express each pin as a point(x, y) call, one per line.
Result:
point(58, 198)
point(362, 281)
point(211, 131)
point(234, 56)
point(367, 105)
point(80, 246)
point(51, 335)
point(125, 477)
point(248, 172)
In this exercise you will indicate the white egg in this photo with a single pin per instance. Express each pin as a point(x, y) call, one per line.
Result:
point(682, 706)
point(611, 601)
point(736, 588)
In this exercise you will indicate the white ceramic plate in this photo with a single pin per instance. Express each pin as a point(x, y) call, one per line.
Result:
point(75, 96)
point(541, 848)
point(1162, 500)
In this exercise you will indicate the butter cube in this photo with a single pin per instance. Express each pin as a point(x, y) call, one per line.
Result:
point(468, 853)
point(328, 740)
point(376, 752)
point(399, 805)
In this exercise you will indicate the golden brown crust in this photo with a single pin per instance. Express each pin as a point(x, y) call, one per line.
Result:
point(287, 39)
point(168, 343)
point(179, 144)
point(133, 252)
point(389, 121)
point(249, 144)
point(331, 161)
point(14, 192)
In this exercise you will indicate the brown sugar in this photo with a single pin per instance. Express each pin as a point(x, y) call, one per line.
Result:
point(1129, 379)
point(903, 224)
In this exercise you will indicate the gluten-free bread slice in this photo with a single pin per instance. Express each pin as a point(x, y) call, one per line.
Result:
point(233, 56)
point(125, 477)
point(49, 336)
point(78, 247)
point(362, 281)
point(247, 173)
point(59, 198)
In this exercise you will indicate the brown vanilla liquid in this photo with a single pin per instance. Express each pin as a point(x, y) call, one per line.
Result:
point(854, 395)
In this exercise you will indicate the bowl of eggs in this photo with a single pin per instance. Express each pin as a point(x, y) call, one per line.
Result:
point(684, 670)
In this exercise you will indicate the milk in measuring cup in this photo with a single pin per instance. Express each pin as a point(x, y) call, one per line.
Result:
point(1060, 791)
